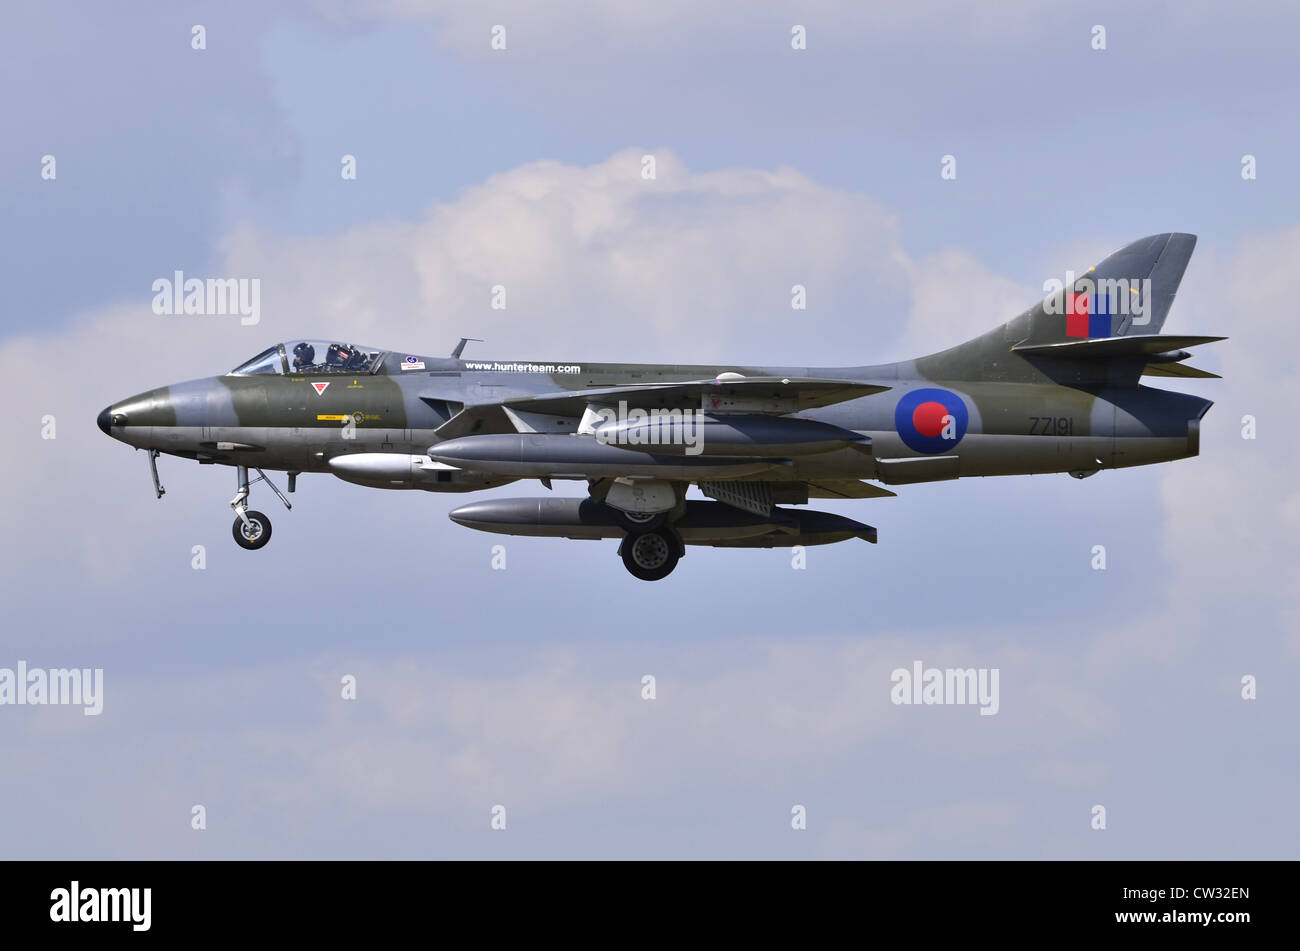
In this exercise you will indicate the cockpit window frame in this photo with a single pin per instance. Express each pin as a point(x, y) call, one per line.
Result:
point(284, 368)
point(265, 354)
point(327, 350)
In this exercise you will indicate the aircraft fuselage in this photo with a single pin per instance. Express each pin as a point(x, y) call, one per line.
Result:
point(289, 423)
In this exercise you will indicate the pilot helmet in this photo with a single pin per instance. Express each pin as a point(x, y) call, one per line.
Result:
point(304, 353)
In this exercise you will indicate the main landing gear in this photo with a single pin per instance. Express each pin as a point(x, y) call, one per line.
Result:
point(651, 555)
point(252, 530)
point(645, 510)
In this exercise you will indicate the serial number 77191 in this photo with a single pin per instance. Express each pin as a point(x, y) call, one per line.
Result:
point(1051, 426)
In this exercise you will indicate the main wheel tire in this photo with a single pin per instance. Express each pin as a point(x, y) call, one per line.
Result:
point(650, 555)
point(254, 535)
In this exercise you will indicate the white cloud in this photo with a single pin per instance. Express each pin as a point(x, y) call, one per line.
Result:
point(597, 264)
point(448, 739)
point(955, 298)
point(1233, 516)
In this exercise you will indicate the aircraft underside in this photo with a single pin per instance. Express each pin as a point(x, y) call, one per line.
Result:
point(639, 495)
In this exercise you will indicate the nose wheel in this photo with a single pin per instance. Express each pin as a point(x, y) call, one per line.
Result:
point(252, 530)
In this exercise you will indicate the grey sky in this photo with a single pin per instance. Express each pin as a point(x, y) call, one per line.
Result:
point(522, 686)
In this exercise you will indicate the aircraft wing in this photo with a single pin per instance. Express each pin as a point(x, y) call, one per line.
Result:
point(754, 394)
point(561, 412)
point(1099, 348)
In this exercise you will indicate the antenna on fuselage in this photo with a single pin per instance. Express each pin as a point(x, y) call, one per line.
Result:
point(460, 347)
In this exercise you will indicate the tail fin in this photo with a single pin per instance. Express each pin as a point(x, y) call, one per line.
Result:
point(1127, 295)
point(1131, 291)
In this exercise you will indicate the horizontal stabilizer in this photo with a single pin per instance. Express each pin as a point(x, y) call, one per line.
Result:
point(1136, 345)
point(1178, 369)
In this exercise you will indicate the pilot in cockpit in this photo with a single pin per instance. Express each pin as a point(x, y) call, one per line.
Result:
point(345, 356)
point(304, 357)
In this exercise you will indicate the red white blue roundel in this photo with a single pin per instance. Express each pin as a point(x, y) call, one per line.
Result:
point(931, 420)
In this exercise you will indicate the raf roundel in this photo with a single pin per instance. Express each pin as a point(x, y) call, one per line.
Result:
point(931, 420)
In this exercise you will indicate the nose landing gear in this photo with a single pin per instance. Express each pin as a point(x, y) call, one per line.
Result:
point(158, 489)
point(252, 530)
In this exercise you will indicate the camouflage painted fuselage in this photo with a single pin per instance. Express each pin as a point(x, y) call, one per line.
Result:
point(1022, 415)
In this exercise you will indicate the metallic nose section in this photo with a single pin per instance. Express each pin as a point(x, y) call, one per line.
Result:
point(104, 420)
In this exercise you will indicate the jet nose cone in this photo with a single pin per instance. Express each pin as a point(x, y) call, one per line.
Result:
point(105, 420)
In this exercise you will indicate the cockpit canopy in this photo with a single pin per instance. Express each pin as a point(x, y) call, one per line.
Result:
point(302, 357)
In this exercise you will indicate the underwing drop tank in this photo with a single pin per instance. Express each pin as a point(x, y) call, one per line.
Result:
point(704, 523)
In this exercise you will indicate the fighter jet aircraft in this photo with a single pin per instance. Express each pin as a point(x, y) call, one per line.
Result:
point(1056, 389)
